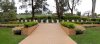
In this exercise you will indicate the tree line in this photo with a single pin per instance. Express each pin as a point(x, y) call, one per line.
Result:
point(41, 5)
point(61, 6)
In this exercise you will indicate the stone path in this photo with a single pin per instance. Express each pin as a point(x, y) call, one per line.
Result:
point(48, 34)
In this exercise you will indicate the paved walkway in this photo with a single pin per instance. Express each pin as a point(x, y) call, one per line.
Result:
point(48, 34)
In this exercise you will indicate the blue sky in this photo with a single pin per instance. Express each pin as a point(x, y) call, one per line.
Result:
point(85, 5)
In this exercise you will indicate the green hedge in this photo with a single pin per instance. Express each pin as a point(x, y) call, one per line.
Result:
point(68, 24)
point(75, 17)
point(91, 22)
point(29, 24)
point(70, 18)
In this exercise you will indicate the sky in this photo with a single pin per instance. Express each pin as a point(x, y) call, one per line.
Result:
point(84, 6)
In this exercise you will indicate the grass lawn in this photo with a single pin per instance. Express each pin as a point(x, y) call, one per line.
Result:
point(6, 36)
point(90, 36)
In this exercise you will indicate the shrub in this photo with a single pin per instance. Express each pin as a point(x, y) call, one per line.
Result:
point(93, 19)
point(79, 29)
point(79, 32)
point(55, 20)
point(44, 20)
point(68, 24)
point(71, 17)
point(17, 32)
point(29, 24)
point(90, 22)
point(84, 19)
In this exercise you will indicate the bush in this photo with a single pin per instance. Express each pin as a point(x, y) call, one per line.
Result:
point(93, 19)
point(29, 24)
point(68, 24)
point(84, 19)
point(11, 22)
point(90, 22)
point(79, 32)
point(17, 32)
point(14, 22)
point(71, 17)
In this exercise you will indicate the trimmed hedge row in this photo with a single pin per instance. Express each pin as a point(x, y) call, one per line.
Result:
point(73, 26)
point(68, 24)
point(65, 18)
point(29, 24)
point(91, 22)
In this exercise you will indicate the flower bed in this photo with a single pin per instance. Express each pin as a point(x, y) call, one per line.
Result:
point(27, 29)
point(72, 28)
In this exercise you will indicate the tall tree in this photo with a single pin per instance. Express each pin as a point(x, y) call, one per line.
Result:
point(60, 4)
point(8, 10)
point(93, 8)
point(36, 5)
point(72, 5)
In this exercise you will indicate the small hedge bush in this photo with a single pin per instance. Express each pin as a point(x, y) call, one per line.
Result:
point(92, 22)
point(79, 32)
point(29, 24)
point(68, 24)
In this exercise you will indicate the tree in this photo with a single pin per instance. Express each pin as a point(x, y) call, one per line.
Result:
point(36, 5)
point(8, 11)
point(78, 13)
point(93, 8)
point(72, 5)
point(60, 4)
point(6, 6)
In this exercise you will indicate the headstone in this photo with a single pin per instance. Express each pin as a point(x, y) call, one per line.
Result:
point(81, 20)
point(77, 20)
point(67, 20)
point(41, 21)
point(18, 21)
point(29, 20)
point(86, 21)
point(57, 21)
point(22, 21)
point(47, 21)
point(52, 21)
point(62, 20)
point(25, 20)
point(73, 20)
point(36, 20)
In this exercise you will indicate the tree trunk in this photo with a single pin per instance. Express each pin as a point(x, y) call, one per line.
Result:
point(32, 9)
point(57, 9)
point(73, 3)
point(71, 11)
point(33, 12)
point(93, 8)
point(61, 11)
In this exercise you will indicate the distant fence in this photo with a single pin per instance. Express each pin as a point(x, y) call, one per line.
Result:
point(49, 20)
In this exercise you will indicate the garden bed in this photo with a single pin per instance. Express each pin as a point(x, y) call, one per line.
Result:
point(29, 30)
point(91, 25)
point(72, 28)
point(68, 31)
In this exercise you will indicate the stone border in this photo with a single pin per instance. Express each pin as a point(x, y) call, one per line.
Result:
point(73, 31)
point(29, 30)
point(68, 31)
point(98, 25)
